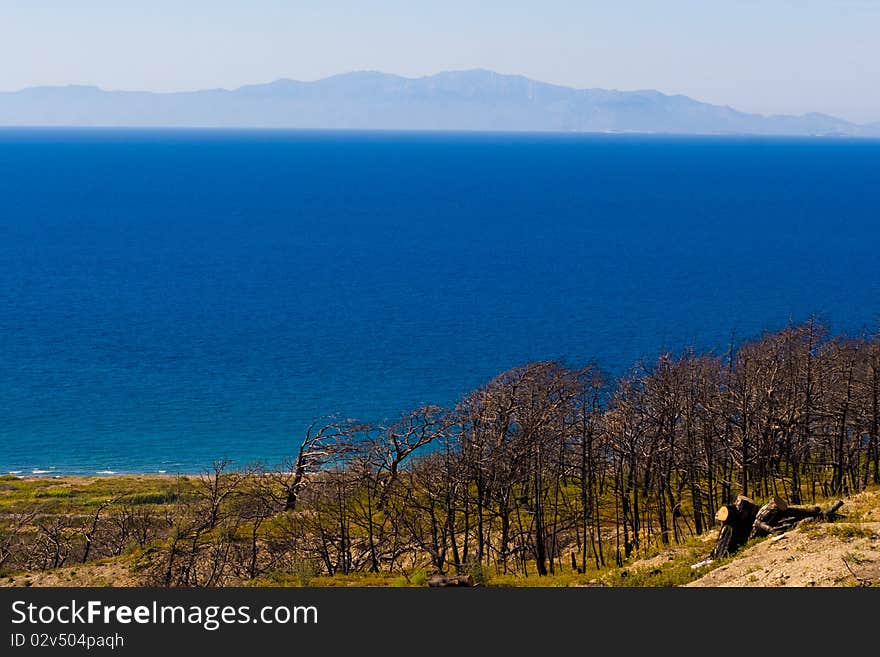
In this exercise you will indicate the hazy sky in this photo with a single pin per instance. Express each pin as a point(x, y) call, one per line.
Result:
point(768, 56)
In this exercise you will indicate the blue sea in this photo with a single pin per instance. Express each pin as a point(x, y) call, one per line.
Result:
point(168, 298)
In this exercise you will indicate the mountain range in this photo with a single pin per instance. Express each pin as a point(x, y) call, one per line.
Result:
point(365, 100)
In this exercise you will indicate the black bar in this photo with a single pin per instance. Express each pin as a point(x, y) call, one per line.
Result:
point(361, 621)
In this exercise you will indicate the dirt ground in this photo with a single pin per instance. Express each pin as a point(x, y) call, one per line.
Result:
point(108, 573)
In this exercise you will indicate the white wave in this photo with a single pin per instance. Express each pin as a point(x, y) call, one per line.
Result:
point(38, 471)
point(16, 472)
point(105, 472)
point(161, 471)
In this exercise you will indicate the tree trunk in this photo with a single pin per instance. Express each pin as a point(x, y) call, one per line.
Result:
point(737, 520)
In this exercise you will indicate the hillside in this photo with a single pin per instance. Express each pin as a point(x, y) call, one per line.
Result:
point(366, 100)
point(843, 553)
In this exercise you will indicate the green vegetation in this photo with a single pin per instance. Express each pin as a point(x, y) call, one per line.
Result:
point(849, 531)
point(85, 494)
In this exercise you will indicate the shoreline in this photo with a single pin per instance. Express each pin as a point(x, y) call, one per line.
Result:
point(81, 476)
point(161, 476)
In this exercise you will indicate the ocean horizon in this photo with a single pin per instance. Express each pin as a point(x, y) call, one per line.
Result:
point(170, 297)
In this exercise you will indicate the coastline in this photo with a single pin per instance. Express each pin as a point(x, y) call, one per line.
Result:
point(136, 476)
point(106, 474)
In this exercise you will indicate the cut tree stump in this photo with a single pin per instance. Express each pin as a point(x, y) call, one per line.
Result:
point(737, 520)
point(725, 512)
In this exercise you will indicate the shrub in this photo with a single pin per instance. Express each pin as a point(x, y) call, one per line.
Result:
point(479, 572)
point(419, 578)
point(151, 497)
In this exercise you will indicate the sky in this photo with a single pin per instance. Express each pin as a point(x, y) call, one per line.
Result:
point(767, 56)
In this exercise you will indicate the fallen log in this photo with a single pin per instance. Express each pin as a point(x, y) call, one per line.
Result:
point(439, 581)
point(777, 516)
point(769, 517)
point(763, 529)
point(802, 513)
point(831, 513)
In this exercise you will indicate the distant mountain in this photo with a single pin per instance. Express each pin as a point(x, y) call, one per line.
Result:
point(458, 100)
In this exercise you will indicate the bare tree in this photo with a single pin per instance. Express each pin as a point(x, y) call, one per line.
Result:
point(321, 444)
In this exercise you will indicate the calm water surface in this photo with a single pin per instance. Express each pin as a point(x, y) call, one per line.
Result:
point(171, 297)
